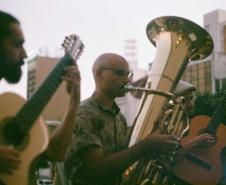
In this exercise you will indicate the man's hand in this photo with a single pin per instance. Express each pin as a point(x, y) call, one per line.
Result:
point(161, 143)
point(202, 140)
point(72, 77)
point(9, 159)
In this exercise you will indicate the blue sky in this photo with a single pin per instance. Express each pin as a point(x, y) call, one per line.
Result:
point(103, 25)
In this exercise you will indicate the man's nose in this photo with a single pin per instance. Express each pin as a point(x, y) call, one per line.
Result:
point(23, 53)
point(126, 79)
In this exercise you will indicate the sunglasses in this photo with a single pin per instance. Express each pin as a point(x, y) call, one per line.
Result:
point(120, 72)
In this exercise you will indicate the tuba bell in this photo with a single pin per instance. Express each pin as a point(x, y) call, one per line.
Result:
point(178, 41)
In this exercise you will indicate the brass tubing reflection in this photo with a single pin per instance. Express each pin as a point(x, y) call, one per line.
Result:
point(149, 91)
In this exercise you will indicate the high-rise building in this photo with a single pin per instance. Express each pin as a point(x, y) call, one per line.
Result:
point(215, 24)
point(209, 75)
point(199, 74)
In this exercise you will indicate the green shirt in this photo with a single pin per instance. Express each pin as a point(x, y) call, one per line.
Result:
point(95, 125)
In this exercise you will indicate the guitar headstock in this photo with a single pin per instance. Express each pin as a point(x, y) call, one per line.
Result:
point(73, 46)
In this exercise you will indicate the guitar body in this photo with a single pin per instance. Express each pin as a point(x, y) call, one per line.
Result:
point(34, 144)
point(205, 168)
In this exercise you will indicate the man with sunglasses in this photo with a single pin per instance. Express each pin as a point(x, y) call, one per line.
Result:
point(99, 154)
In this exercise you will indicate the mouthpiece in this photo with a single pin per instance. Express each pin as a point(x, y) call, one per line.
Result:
point(129, 88)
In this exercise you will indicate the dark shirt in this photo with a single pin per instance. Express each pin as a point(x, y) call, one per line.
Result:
point(95, 125)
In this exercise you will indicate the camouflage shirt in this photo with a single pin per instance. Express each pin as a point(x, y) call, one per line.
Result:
point(95, 125)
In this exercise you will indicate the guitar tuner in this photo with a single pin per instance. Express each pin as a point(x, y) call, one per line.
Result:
point(73, 46)
point(68, 40)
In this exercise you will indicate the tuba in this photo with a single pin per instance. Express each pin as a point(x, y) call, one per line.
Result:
point(178, 41)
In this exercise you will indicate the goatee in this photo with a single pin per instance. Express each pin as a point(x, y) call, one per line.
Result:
point(12, 74)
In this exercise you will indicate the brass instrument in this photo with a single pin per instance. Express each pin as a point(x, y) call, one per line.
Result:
point(149, 91)
point(157, 166)
point(178, 41)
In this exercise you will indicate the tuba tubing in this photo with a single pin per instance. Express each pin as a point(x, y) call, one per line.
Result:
point(149, 91)
point(178, 41)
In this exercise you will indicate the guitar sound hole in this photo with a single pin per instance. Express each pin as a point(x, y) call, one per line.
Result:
point(12, 134)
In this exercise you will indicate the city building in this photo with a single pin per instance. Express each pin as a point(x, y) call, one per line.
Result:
point(200, 74)
point(209, 75)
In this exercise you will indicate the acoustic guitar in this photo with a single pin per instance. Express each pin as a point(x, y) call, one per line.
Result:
point(202, 166)
point(22, 128)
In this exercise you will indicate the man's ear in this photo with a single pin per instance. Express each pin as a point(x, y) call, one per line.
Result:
point(4, 45)
point(99, 74)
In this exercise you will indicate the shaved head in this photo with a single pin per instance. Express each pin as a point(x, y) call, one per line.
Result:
point(106, 60)
point(110, 73)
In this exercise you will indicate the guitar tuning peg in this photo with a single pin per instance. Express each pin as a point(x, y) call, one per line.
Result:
point(66, 40)
point(74, 37)
point(63, 45)
point(82, 46)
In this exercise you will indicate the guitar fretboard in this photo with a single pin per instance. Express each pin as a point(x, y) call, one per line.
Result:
point(32, 109)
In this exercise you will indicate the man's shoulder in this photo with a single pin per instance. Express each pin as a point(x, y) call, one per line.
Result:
point(88, 105)
point(89, 102)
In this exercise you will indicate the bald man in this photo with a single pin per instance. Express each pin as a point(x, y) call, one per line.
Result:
point(99, 154)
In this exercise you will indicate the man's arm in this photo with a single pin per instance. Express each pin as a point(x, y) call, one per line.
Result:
point(200, 141)
point(61, 137)
point(203, 140)
point(102, 168)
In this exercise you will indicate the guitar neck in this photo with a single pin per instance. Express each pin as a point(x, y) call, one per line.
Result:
point(33, 107)
point(218, 117)
point(16, 129)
